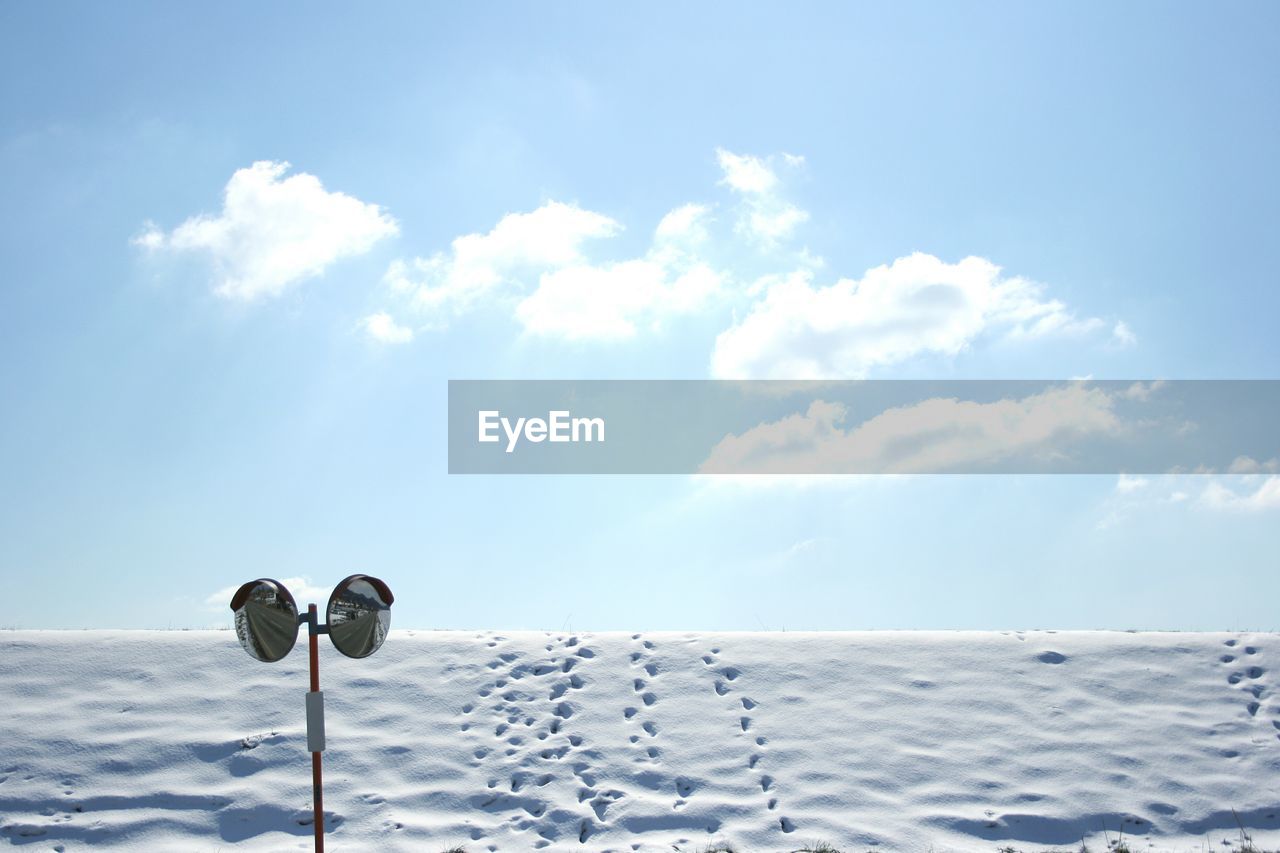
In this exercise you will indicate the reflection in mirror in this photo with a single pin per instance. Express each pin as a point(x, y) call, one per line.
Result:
point(266, 619)
point(359, 615)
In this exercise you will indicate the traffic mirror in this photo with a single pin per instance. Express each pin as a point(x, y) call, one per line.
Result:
point(266, 619)
point(359, 615)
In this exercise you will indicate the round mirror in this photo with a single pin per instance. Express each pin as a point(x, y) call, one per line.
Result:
point(359, 615)
point(266, 619)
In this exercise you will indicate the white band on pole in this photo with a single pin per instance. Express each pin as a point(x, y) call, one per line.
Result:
point(315, 721)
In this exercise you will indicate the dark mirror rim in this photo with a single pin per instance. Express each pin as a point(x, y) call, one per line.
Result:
point(242, 594)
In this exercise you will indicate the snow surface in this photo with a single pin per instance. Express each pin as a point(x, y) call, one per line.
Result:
point(521, 741)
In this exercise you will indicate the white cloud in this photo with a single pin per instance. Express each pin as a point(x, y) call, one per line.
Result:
point(1129, 493)
point(1122, 335)
point(745, 173)
point(610, 301)
point(606, 302)
point(685, 226)
point(765, 218)
point(933, 436)
point(916, 305)
point(151, 238)
point(479, 265)
point(382, 327)
point(535, 265)
point(774, 222)
point(1127, 484)
point(1253, 494)
point(535, 262)
point(1244, 490)
point(274, 232)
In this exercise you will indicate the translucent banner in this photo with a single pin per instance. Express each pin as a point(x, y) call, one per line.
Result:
point(863, 427)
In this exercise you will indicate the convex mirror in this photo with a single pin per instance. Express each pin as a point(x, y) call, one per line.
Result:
point(359, 615)
point(266, 619)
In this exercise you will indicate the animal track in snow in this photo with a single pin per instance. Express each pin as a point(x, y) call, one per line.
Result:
point(1249, 678)
point(528, 704)
point(725, 683)
point(647, 697)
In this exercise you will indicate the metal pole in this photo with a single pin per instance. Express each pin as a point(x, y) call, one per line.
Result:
point(317, 792)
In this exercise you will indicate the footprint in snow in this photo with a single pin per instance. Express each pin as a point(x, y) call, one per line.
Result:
point(648, 697)
point(1256, 690)
point(538, 704)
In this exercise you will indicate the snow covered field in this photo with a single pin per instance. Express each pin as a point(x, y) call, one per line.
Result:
point(521, 741)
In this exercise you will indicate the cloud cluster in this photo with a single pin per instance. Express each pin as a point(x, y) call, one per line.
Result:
point(274, 232)
point(535, 264)
point(1249, 487)
point(539, 266)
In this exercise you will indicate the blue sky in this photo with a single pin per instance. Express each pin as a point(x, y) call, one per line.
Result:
point(191, 402)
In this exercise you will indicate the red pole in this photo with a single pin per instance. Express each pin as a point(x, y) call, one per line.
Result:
point(317, 793)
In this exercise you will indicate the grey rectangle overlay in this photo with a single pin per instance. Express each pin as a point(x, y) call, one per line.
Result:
point(713, 427)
